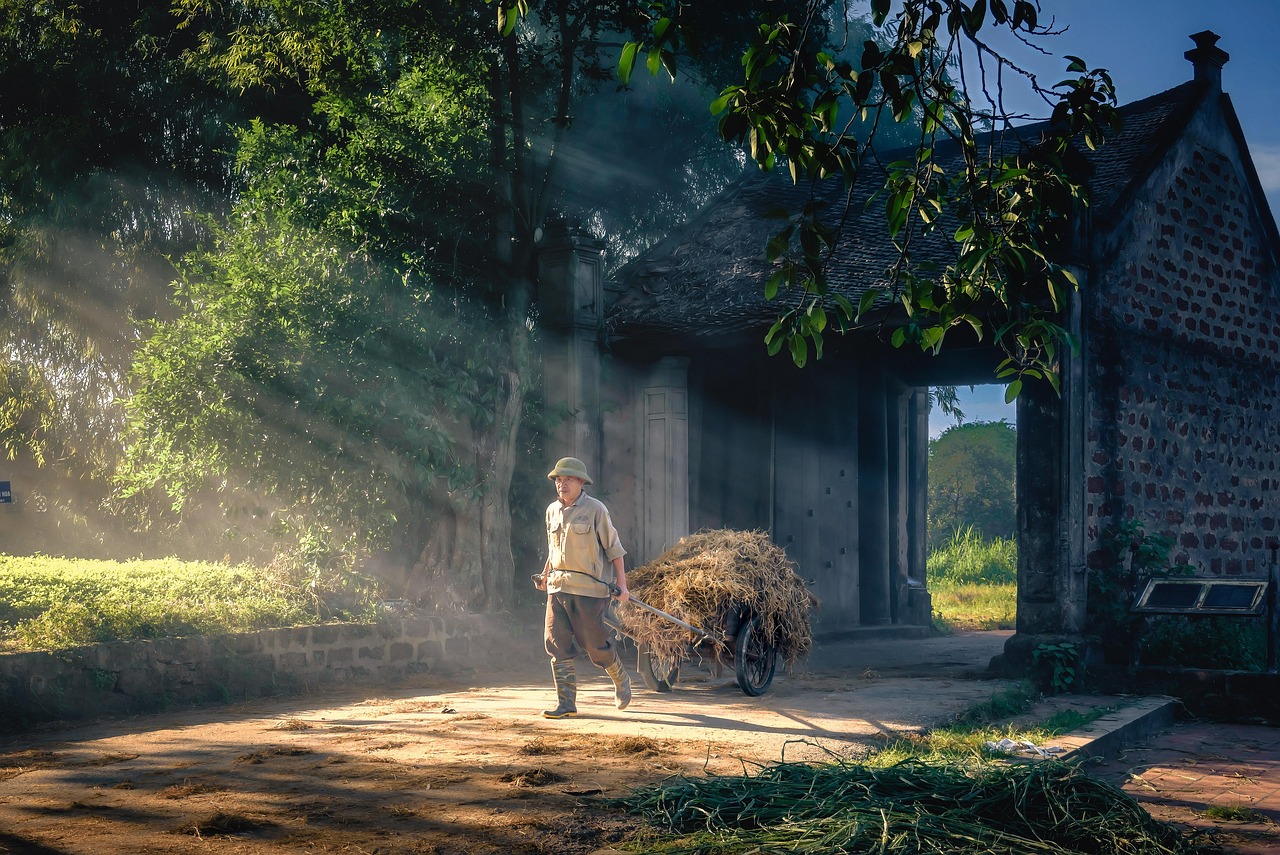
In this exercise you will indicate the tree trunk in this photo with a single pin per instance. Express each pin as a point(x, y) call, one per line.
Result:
point(466, 563)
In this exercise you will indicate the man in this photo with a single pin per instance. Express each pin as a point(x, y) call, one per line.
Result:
point(583, 569)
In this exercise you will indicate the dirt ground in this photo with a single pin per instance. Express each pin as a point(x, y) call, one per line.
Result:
point(463, 764)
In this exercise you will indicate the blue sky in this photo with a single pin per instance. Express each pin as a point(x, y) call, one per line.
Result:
point(1141, 42)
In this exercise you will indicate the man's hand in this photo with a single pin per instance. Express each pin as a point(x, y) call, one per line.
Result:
point(621, 594)
point(540, 580)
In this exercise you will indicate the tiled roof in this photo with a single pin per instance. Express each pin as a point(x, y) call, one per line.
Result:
point(707, 278)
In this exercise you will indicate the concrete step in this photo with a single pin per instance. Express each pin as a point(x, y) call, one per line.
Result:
point(1127, 725)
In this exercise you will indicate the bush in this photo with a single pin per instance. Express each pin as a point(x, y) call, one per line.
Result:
point(1227, 643)
point(54, 603)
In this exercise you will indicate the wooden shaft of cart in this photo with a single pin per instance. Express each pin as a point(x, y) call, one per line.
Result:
point(615, 590)
point(701, 633)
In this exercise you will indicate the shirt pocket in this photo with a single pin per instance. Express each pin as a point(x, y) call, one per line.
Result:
point(582, 528)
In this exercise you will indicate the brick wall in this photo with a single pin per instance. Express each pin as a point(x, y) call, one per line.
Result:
point(1184, 351)
point(129, 677)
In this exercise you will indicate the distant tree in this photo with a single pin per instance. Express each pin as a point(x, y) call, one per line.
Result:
point(972, 480)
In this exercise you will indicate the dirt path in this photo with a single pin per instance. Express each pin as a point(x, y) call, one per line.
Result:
point(460, 765)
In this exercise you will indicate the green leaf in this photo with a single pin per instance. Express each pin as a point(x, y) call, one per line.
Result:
point(628, 61)
point(772, 336)
point(977, 15)
point(975, 323)
point(868, 299)
point(778, 244)
point(817, 318)
point(1012, 391)
point(772, 284)
point(669, 63)
point(506, 20)
point(660, 30)
point(799, 350)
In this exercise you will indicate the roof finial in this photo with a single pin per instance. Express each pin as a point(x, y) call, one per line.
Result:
point(1207, 57)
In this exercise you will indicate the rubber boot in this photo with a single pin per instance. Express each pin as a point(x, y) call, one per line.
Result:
point(566, 689)
point(621, 684)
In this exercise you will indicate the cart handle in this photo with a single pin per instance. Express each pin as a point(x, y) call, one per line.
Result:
point(701, 633)
point(615, 590)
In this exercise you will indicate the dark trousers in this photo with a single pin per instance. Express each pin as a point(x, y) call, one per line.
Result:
point(576, 624)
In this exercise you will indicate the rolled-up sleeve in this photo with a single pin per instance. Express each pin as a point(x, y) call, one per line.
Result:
point(608, 535)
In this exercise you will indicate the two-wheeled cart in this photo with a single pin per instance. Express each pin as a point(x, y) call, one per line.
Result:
point(740, 643)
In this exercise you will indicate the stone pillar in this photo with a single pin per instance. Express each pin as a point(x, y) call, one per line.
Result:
point(1039, 479)
point(899, 439)
point(1042, 616)
point(874, 489)
point(571, 311)
point(919, 603)
point(1073, 556)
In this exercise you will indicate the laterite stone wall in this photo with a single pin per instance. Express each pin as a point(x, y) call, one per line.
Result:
point(128, 677)
point(1184, 343)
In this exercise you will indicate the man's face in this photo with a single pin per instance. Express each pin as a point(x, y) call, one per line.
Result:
point(568, 488)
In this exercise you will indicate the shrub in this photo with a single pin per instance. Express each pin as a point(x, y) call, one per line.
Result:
point(54, 603)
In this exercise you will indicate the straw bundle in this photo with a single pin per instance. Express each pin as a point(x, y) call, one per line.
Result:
point(707, 577)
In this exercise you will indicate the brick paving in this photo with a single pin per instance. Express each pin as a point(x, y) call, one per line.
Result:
point(1179, 773)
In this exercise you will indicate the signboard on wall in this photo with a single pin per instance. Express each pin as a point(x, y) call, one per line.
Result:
point(6, 494)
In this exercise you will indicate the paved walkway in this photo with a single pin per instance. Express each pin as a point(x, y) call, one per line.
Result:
point(1221, 778)
point(1224, 778)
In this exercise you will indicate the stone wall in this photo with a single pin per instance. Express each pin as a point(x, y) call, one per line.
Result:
point(1185, 368)
point(129, 677)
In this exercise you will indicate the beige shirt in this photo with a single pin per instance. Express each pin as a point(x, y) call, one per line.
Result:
point(581, 537)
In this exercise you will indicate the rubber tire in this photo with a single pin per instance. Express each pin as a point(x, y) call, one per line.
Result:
point(658, 676)
point(754, 658)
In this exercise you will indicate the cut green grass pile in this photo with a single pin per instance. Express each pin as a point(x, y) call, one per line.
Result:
point(938, 793)
point(55, 603)
point(906, 807)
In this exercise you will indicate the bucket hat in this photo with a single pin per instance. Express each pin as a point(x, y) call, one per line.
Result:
point(570, 466)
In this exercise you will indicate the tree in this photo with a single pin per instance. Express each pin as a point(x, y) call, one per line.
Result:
point(107, 140)
point(354, 352)
point(1003, 198)
point(972, 480)
point(361, 322)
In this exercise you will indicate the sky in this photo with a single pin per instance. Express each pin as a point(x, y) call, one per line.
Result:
point(1141, 42)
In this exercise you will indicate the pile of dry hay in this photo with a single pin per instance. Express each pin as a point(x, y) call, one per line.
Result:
point(707, 576)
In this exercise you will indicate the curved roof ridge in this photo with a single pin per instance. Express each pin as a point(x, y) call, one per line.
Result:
point(707, 277)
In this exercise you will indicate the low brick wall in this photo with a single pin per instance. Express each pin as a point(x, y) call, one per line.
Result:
point(1218, 695)
point(129, 677)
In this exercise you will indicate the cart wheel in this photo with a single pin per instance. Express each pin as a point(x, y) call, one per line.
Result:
point(658, 674)
point(754, 658)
